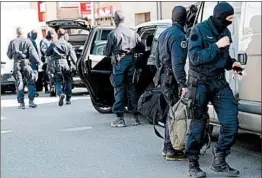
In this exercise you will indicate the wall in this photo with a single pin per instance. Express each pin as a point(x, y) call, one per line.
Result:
point(167, 7)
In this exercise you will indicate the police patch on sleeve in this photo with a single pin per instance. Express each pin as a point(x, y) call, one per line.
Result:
point(183, 44)
point(194, 37)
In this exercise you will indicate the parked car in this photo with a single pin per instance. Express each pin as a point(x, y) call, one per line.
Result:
point(7, 81)
point(95, 70)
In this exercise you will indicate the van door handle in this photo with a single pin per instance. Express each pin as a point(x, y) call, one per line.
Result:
point(242, 58)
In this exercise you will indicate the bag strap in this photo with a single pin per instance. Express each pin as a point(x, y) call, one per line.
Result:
point(154, 124)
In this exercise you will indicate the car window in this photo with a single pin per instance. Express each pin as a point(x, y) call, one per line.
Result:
point(77, 32)
point(105, 34)
point(152, 57)
point(100, 49)
point(145, 34)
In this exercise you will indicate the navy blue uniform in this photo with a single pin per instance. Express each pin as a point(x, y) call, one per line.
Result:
point(207, 82)
point(171, 54)
point(121, 46)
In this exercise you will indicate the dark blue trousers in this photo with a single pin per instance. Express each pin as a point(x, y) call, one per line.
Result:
point(122, 77)
point(221, 96)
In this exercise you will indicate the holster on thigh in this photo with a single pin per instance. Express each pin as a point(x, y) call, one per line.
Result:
point(191, 97)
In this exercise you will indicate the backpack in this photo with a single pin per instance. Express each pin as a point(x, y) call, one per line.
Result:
point(177, 124)
point(153, 106)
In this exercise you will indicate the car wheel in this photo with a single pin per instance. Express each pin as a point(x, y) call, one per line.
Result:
point(2, 90)
point(102, 110)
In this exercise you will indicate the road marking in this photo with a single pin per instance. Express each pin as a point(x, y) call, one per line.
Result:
point(38, 100)
point(76, 129)
point(6, 131)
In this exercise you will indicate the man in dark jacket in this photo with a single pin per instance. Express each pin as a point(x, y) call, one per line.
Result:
point(209, 57)
point(171, 54)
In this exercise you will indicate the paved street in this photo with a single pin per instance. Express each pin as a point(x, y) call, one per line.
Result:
point(77, 142)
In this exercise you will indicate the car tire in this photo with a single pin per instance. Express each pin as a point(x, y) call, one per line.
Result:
point(102, 110)
point(2, 90)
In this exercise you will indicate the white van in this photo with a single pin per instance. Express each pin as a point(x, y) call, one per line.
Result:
point(11, 18)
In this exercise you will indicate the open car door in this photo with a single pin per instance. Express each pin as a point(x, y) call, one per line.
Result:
point(95, 69)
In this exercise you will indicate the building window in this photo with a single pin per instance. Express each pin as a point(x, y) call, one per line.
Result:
point(142, 17)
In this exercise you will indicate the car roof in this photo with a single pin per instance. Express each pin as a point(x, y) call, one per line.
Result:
point(156, 22)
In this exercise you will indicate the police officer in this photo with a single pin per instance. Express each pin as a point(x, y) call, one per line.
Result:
point(122, 43)
point(208, 59)
point(59, 51)
point(34, 65)
point(21, 49)
point(48, 67)
point(171, 54)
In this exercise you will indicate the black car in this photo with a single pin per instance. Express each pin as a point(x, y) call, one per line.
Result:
point(7, 81)
point(95, 70)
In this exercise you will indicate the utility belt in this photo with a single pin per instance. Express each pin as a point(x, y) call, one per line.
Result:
point(194, 79)
point(202, 78)
point(116, 58)
point(23, 62)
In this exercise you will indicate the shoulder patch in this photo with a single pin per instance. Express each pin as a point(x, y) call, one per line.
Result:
point(183, 44)
point(194, 37)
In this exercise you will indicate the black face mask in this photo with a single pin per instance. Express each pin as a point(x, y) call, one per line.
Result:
point(220, 13)
point(179, 15)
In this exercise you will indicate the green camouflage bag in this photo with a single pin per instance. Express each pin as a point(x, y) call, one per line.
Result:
point(177, 124)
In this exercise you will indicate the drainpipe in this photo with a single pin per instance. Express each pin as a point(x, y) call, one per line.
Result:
point(157, 11)
point(160, 11)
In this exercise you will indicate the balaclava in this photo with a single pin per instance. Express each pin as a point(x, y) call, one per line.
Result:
point(179, 15)
point(34, 34)
point(119, 17)
point(220, 13)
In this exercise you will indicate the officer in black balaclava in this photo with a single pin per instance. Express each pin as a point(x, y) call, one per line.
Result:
point(208, 52)
point(171, 53)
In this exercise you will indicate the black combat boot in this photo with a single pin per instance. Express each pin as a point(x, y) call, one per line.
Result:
point(32, 104)
point(194, 169)
point(21, 105)
point(164, 150)
point(68, 101)
point(119, 122)
point(135, 121)
point(61, 100)
point(174, 155)
point(219, 164)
